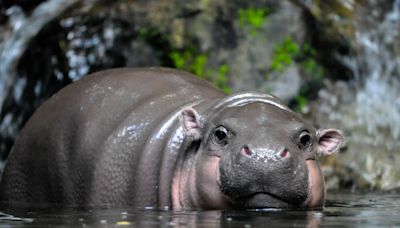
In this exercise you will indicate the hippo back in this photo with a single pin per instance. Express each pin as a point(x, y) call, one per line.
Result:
point(111, 138)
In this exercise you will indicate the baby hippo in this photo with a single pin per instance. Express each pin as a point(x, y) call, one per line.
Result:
point(162, 138)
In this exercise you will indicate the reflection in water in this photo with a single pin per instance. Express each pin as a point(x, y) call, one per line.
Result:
point(342, 210)
point(153, 218)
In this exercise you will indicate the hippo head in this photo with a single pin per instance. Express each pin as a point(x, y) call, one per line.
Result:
point(254, 152)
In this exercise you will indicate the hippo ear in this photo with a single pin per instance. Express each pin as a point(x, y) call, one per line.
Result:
point(329, 141)
point(192, 123)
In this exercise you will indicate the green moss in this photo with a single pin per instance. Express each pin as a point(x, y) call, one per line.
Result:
point(198, 64)
point(221, 78)
point(187, 58)
point(284, 54)
point(289, 52)
point(301, 102)
point(309, 63)
point(178, 59)
point(311, 67)
point(252, 18)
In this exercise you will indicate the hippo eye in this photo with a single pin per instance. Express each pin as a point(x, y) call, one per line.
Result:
point(221, 135)
point(305, 139)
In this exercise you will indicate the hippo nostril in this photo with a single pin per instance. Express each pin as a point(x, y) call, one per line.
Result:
point(246, 151)
point(284, 153)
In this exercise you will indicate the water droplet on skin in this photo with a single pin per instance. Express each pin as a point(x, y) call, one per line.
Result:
point(123, 223)
point(318, 215)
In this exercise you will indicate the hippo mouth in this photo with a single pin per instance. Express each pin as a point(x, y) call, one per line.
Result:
point(263, 200)
point(315, 198)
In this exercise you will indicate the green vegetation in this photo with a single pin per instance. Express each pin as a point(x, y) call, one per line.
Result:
point(148, 32)
point(289, 52)
point(221, 80)
point(309, 64)
point(189, 58)
point(185, 60)
point(252, 18)
point(284, 55)
point(250, 21)
point(301, 103)
point(190, 61)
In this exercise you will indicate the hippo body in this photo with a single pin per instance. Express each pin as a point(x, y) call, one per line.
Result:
point(157, 137)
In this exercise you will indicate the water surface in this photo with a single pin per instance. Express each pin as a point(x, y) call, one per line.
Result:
point(342, 210)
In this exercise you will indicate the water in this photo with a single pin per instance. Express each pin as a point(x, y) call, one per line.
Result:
point(342, 210)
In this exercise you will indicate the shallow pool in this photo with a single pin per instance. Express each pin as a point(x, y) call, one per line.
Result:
point(342, 210)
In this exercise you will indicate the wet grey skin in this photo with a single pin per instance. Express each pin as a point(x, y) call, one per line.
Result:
point(162, 138)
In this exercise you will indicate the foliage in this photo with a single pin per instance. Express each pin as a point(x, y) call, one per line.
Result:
point(188, 59)
point(250, 20)
point(253, 18)
point(309, 63)
point(289, 52)
point(301, 102)
point(197, 63)
point(284, 55)
point(221, 79)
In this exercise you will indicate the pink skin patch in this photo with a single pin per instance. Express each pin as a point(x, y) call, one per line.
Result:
point(316, 196)
point(210, 192)
point(246, 151)
point(284, 153)
point(198, 187)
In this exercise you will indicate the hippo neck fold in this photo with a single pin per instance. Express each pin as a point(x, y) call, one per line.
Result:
point(172, 149)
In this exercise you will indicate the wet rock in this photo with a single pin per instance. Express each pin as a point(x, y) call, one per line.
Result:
point(359, 42)
point(253, 57)
point(16, 33)
point(372, 148)
point(209, 38)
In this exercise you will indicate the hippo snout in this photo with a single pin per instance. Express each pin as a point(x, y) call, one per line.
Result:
point(265, 155)
point(259, 176)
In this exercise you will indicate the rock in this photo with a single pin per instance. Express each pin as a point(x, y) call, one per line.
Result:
point(372, 150)
point(207, 37)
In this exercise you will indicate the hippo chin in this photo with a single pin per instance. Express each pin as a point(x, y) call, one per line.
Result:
point(156, 137)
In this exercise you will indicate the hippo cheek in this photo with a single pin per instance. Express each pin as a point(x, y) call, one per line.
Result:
point(316, 196)
point(208, 182)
